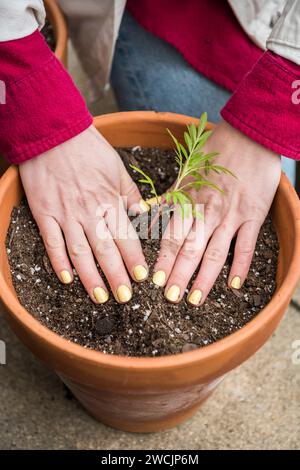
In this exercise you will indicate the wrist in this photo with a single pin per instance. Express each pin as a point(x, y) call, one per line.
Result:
point(262, 107)
point(43, 106)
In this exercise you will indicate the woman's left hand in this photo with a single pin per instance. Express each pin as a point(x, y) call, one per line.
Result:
point(239, 212)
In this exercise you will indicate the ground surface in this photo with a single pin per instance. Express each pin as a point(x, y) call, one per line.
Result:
point(256, 407)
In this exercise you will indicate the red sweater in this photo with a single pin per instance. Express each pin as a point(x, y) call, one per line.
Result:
point(211, 39)
point(43, 108)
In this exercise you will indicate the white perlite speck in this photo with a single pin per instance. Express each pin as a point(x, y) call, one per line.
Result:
point(147, 315)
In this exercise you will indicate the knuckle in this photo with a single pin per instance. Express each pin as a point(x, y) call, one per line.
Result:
point(188, 253)
point(57, 260)
point(258, 210)
point(244, 253)
point(44, 205)
point(170, 245)
point(255, 209)
point(180, 278)
point(226, 228)
point(103, 247)
point(202, 282)
point(121, 231)
point(53, 243)
point(245, 248)
point(214, 255)
point(79, 249)
point(213, 206)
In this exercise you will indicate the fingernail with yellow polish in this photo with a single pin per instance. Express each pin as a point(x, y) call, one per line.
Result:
point(159, 278)
point(144, 206)
point(66, 277)
point(173, 293)
point(140, 272)
point(195, 297)
point(124, 294)
point(236, 282)
point(100, 294)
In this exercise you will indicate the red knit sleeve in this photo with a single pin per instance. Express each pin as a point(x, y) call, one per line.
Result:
point(40, 106)
point(266, 105)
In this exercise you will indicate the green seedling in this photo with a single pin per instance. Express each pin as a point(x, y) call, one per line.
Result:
point(194, 167)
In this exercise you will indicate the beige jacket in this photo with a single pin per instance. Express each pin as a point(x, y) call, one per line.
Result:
point(94, 26)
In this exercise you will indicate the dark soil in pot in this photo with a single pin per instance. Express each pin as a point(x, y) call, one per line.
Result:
point(148, 325)
point(48, 33)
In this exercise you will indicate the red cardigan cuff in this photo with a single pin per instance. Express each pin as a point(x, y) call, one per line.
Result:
point(266, 105)
point(43, 107)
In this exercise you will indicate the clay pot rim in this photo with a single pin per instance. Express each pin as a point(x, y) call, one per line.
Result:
point(172, 361)
point(59, 25)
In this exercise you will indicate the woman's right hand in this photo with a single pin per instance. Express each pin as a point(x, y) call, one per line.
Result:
point(79, 193)
point(239, 212)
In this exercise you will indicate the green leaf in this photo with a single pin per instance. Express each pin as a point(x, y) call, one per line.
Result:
point(189, 197)
point(198, 215)
point(192, 132)
point(202, 124)
point(178, 159)
point(203, 138)
point(168, 197)
point(207, 156)
point(220, 169)
point(206, 167)
point(175, 141)
point(140, 171)
point(197, 159)
point(146, 180)
point(183, 150)
point(188, 141)
point(193, 163)
point(197, 175)
point(174, 198)
point(182, 199)
point(199, 184)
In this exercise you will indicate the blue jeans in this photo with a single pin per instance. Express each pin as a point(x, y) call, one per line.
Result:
point(150, 74)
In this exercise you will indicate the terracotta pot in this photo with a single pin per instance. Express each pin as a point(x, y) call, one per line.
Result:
point(149, 394)
point(56, 18)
